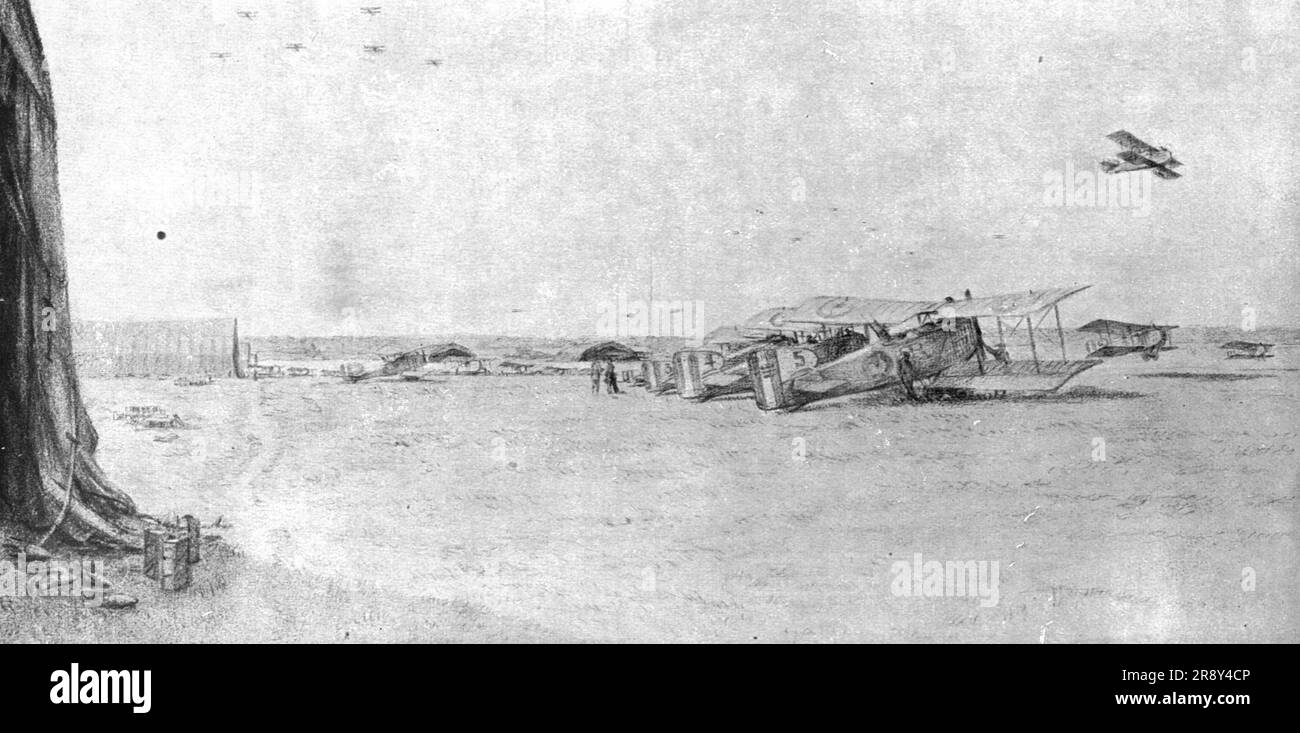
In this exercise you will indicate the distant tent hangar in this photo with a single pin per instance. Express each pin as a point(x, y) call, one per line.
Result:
point(611, 350)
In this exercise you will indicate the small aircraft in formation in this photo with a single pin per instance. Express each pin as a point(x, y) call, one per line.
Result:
point(220, 54)
point(294, 46)
point(375, 49)
point(372, 10)
point(1138, 156)
point(247, 14)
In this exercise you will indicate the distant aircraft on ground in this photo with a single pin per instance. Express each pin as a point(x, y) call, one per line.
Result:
point(1117, 338)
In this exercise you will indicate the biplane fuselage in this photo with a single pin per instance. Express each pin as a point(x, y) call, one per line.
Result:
point(791, 377)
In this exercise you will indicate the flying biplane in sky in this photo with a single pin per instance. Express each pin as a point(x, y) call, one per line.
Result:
point(924, 348)
point(374, 49)
point(1117, 338)
point(372, 10)
point(1139, 156)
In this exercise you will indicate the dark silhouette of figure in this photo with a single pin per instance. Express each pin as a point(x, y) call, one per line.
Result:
point(907, 375)
point(597, 375)
point(611, 376)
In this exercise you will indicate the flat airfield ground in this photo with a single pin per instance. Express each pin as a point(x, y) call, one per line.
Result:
point(534, 510)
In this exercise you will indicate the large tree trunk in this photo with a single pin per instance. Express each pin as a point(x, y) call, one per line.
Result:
point(46, 439)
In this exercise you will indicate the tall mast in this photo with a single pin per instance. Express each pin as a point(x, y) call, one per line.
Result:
point(1057, 310)
point(1029, 321)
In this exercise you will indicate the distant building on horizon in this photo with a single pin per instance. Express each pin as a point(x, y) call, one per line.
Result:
point(158, 348)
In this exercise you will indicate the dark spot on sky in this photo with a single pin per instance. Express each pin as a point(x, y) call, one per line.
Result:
point(162, 235)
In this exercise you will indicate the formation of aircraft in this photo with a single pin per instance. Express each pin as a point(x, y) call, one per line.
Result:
point(369, 10)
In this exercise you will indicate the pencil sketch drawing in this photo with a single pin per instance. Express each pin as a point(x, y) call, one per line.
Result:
point(649, 321)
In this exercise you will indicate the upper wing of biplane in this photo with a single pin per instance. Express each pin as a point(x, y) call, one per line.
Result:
point(768, 319)
point(1164, 172)
point(849, 311)
point(1011, 305)
point(1121, 328)
point(1127, 140)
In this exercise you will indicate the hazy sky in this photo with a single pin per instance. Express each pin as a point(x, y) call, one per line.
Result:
point(740, 154)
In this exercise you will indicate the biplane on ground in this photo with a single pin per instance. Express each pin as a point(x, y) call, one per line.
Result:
point(412, 361)
point(449, 366)
point(1138, 156)
point(924, 348)
point(1248, 350)
point(1117, 338)
point(711, 371)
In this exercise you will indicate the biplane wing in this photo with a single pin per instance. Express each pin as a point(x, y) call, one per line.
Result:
point(768, 319)
point(1011, 305)
point(1019, 377)
point(1107, 352)
point(1164, 172)
point(1123, 329)
point(1245, 345)
point(1129, 141)
point(850, 311)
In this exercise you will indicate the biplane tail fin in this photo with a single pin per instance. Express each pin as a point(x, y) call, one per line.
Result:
point(689, 366)
point(770, 392)
point(658, 374)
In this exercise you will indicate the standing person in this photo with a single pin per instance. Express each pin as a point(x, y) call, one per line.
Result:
point(597, 375)
point(907, 375)
point(611, 376)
